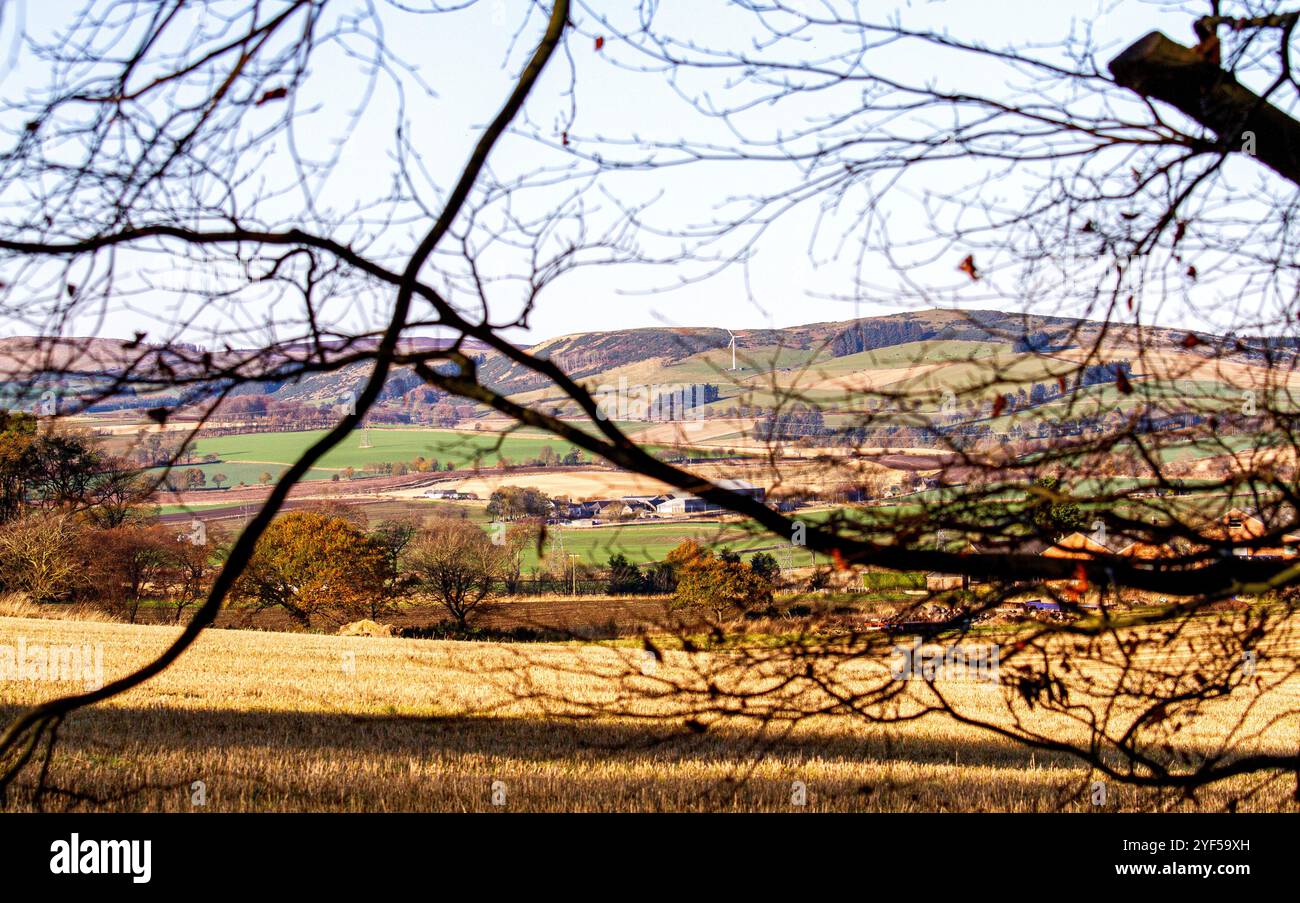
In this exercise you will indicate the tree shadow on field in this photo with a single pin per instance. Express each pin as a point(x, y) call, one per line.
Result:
point(148, 757)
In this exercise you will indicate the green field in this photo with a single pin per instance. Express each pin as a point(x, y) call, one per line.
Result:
point(1211, 446)
point(264, 451)
point(241, 472)
point(643, 543)
point(244, 458)
point(187, 509)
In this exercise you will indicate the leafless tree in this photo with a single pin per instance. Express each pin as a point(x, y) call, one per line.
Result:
point(455, 563)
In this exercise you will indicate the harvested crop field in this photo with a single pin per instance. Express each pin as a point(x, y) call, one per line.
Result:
point(273, 721)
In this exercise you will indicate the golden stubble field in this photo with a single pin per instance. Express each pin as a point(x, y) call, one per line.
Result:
point(275, 721)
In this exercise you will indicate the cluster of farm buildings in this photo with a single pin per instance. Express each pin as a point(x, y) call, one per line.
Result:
point(628, 507)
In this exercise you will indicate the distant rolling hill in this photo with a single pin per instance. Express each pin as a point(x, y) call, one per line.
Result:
point(832, 364)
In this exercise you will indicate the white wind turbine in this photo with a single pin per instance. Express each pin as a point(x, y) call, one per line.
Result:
point(733, 348)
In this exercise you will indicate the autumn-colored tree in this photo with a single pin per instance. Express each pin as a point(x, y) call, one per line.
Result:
point(317, 567)
point(698, 574)
point(514, 502)
point(65, 469)
point(17, 436)
point(717, 583)
point(457, 564)
point(139, 561)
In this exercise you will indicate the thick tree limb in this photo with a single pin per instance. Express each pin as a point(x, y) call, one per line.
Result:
point(1159, 68)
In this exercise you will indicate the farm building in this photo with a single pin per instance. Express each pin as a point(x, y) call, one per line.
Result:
point(690, 504)
point(614, 509)
point(566, 510)
point(643, 505)
point(1247, 528)
point(1032, 605)
point(937, 581)
point(450, 494)
point(686, 504)
point(1080, 545)
point(744, 487)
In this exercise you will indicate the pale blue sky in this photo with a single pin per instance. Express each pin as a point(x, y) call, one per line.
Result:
point(467, 58)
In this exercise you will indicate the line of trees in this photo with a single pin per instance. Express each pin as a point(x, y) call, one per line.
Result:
point(76, 526)
point(323, 567)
